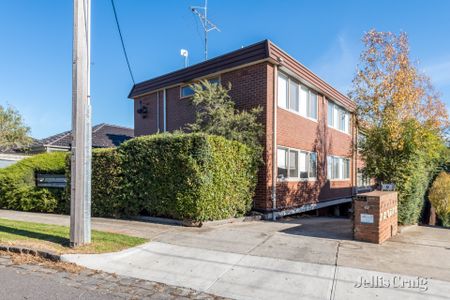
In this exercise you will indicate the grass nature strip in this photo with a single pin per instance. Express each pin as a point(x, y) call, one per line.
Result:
point(56, 238)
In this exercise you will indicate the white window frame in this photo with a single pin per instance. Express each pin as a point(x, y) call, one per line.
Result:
point(290, 79)
point(330, 164)
point(218, 78)
point(298, 178)
point(336, 110)
point(362, 181)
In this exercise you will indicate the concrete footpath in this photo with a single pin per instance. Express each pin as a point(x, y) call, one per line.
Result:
point(242, 276)
point(313, 258)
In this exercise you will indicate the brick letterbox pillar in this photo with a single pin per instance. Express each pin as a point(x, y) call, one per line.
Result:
point(375, 216)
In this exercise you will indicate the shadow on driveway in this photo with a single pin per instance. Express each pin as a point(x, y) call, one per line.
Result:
point(328, 228)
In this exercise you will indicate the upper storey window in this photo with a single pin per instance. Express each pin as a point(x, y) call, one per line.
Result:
point(338, 117)
point(187, 91)
point(296, 97)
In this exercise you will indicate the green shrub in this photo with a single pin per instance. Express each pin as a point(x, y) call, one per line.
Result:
point(17, 184)
point(106, 183)
point(187, 176)
point(183, 176)
point(439, 197)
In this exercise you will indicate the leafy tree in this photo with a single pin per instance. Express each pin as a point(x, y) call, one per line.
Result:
point(440, 197)
point(13, 132)
point(216, 114)
point(403, 119)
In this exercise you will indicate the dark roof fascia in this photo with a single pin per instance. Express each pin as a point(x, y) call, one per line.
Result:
point(246, 55)
point(264, 50)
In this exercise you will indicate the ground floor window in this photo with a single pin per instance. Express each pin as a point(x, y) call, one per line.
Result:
point(338, 167)
point(362, 180)
point(296, 164)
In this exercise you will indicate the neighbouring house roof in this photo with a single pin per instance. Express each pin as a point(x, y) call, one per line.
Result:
point(103, 136)
point(261, 51)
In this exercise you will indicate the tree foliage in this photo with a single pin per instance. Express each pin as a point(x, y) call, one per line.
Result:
point(388, 87)
point(13, 132)
point(439, 196)
point(402, 117)
point(216, 114)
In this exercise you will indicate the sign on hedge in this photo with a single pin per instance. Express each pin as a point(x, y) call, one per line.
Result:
point(51, 180)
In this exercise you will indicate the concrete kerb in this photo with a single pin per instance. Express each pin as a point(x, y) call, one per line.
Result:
point(189, 223)
point(25, 250)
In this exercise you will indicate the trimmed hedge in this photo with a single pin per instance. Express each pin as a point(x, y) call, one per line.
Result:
point(106, 183)
point(18, 189)
point(193, 176)
point(187, 176)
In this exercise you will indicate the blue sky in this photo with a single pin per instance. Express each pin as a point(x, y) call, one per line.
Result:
point(36, 46)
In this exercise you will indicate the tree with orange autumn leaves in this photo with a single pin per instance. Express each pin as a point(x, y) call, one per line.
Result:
point(403, 118)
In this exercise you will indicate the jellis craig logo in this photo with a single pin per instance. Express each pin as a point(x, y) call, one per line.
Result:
point(399, 282)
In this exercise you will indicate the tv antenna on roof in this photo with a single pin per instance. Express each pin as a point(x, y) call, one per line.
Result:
point(207, 24)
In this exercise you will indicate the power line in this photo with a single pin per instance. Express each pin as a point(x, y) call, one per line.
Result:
point(121, 40)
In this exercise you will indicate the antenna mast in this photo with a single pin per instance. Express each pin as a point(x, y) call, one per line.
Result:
point(207, 25)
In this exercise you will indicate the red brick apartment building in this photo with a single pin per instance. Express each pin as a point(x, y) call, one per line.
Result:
point(309, 136)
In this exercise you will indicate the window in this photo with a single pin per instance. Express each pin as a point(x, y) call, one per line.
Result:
point(296, 164)
point(282, 162)
point(312, 165)
point(338, 167)
point(187, 91)
point(361, 139)
point(303, 166)
point(338, 117)
point(362, 180)
point(312, 105)
point(293, 95)
point(282, 91)
point(296, 97)
point(293, 163)
point(303, 100)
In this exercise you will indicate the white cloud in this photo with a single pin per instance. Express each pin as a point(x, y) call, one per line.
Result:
point(338, 64)
point(439, 72)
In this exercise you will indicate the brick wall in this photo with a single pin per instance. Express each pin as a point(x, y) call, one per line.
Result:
point(252, 86)
point(298, 132)
point(146, 123)
point(382, 207)
point(250, 89)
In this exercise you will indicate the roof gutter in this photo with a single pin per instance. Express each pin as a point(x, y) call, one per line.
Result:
point(131, 96)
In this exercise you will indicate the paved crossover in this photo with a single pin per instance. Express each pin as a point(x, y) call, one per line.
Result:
point(311, 257)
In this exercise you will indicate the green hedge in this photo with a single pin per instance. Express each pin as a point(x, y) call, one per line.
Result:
point(106, 183)
point(17, 184)
point(183, 176)
point(187, 176)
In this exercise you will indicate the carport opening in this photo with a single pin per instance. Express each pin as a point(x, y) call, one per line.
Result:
point(333, 222)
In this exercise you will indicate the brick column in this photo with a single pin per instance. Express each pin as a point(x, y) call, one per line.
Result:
point(375, 216)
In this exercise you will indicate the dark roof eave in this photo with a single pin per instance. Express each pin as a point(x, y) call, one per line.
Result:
point(249, 54)
point(264, 50)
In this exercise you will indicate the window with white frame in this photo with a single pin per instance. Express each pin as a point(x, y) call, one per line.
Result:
point(361, 140)
point(296, 97)
point(187, 91)
point(296, 164)
point(338, 167)
point(362, 180)
point(338, 117)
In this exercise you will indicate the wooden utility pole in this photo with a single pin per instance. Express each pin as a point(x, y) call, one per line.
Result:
point(80, 197)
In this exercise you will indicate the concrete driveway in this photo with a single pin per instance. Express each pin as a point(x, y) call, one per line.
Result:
point(312, 258)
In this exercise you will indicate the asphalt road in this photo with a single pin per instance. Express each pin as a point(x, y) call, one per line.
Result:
point(15, 285)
